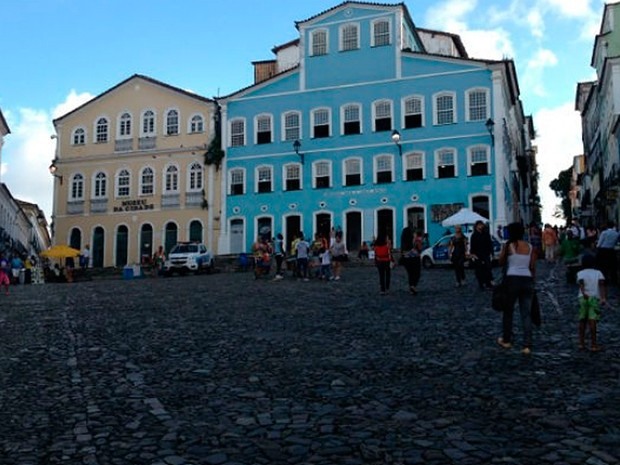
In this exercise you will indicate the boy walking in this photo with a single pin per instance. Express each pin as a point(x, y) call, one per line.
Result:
point(592, 294)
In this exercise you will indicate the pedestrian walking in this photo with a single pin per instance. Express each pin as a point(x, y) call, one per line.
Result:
point(4, 275)
point(592, 294)
point(410, 249)
point(339, 255)
point(383, 262)
point(520, 259)
point(458, 252)
point(302, 252)
point(480, 252)
point(606, 253)
point(279, 249)
point(550, 243)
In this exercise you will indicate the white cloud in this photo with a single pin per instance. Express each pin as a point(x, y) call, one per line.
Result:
point(536, 23)
point(570, 9)
point(534, 70)
point(29, 150)
point(558, 138)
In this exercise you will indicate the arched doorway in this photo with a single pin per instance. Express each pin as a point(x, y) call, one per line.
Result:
point(195, 231)
point(354, 230)
point(75, 239)
point(172, 235)
point(264, 227)
point(122, 245)
point(481, 205)
point(146, 243)
point(322, 225)
point(385, 223)
point(98, 247)
point(416, 219)
point(293, 228)
point(236, 236)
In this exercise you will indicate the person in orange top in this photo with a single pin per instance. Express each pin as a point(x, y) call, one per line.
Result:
point(383, 262)
point(550, 242)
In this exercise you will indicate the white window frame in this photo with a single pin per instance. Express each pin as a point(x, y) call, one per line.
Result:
point(313, 114)
point(231, 173)
point(237, 134)
point(99, 185)
point(374, 113)
point(436, 98)
point(285, 128)
point(257, 180)
point(152, 183)
point(341, 37)
point(468, 107)
point(343, 109)
point(422, 156)
point(257, 121)
point(80, 134)
point(118, 186)
point(470, 157)
point(124, 125)
point(101, 122)
point(152, 124)
point(171, 179)
point(285, 177)
point(169, 125)
point(76, 190)
point(437, 154)
point(315, 165)
point(196, 124)
point(404, 113)
point(375, 167)
point(312, 51)
point(373, 33)
point(195, 177)
point(345, 172)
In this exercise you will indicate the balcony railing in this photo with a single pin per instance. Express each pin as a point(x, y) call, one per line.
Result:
point(147, 143)
point(123, 145)
point(193, 199)
point(170, 200)
point(75, 207)
point(98, 205)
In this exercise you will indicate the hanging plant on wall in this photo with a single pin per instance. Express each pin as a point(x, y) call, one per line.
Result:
point(214, 153)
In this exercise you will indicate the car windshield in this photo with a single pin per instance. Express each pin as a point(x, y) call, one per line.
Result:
point(185, 248)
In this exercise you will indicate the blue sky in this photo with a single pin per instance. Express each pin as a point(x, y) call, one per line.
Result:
point(57, 54)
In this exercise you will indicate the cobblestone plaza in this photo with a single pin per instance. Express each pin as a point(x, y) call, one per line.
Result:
point(225, 369)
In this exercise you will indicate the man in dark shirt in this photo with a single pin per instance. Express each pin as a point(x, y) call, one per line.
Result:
point(481, 253)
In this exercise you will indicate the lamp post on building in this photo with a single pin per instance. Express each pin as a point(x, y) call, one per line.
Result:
point(490, 125)
point(296, 147)
point(53, 171)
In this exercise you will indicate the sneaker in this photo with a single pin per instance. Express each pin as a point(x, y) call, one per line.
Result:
point(526, 351)
point(382, 293)
point(505, 345)
point(306, 279)
point(337, 278)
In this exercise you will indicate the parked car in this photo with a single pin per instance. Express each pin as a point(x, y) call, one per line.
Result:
point(189, 256)
point(438, 254)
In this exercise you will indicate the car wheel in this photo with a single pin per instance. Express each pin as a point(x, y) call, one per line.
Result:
point(427, 262)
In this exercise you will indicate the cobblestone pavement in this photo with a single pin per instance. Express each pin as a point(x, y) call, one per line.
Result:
point(223, 369)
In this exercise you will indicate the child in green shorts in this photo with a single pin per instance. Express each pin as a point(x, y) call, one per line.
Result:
point(592, 294)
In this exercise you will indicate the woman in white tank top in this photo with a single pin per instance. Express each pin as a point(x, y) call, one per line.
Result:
point(520, 260)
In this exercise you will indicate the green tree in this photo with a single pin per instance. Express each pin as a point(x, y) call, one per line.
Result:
point(561, 187)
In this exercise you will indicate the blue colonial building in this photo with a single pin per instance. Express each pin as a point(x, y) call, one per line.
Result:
point(367, 123)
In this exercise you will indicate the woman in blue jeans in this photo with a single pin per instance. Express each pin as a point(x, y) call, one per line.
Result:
point(520, 260)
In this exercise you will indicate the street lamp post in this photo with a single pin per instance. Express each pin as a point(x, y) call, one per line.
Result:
point(396, 140)
point(53, 171)
point(296, 147)
point(490, 125)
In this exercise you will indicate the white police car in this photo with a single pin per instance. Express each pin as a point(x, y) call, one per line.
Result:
point(439, 253)
point(189, 256)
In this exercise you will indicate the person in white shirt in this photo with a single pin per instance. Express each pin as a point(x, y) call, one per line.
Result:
point(592, 294)
point(303, 249)
point(606, 253)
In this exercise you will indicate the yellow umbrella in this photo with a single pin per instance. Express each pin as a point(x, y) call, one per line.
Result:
point(60, 251)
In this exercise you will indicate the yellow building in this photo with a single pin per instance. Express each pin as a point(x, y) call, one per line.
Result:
point(131, 173)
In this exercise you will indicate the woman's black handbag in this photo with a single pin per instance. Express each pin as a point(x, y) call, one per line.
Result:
point(499, 299)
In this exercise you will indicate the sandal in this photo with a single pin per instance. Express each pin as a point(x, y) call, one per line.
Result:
point(505, 345)
point(581, 347)
point(596, 349)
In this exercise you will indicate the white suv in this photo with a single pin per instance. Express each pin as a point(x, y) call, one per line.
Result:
point(189, 256)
